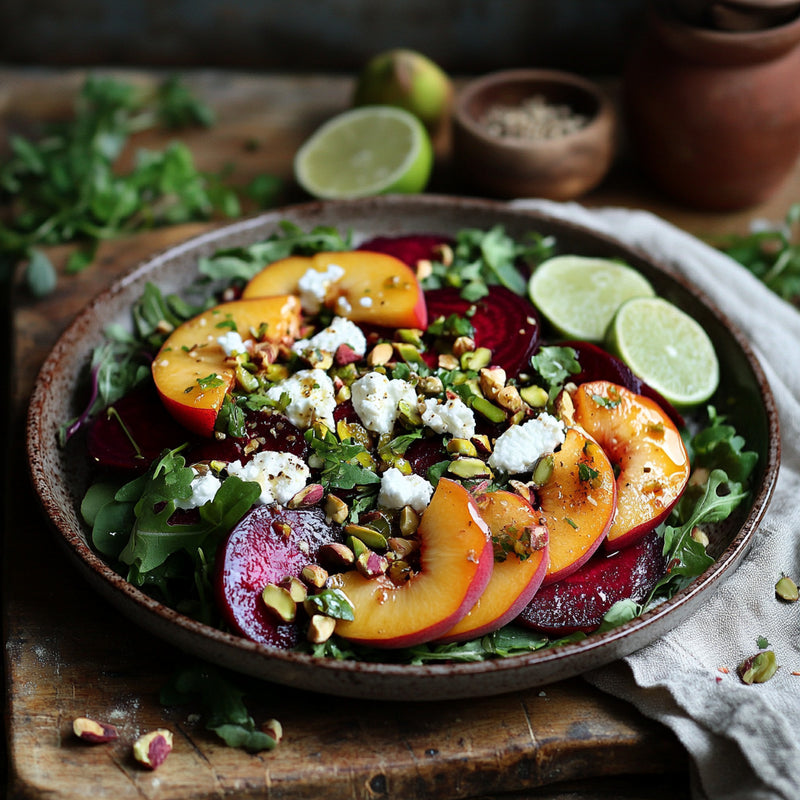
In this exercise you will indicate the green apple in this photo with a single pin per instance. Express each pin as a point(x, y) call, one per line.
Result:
point(409, 80)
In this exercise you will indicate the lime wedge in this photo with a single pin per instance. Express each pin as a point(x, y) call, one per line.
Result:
point(666, 348)
point(579, 296)
point(363, 152)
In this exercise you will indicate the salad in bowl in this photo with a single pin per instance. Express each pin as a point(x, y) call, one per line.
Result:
point(380, 451)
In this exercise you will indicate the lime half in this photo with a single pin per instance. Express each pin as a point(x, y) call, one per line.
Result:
point(667, 349)
point(579, 296)
point(365, 151)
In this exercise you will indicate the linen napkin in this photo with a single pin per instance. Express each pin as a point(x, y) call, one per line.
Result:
point(743, 741)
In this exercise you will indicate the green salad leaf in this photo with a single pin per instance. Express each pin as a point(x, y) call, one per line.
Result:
point(489, 258)
point(222, 703)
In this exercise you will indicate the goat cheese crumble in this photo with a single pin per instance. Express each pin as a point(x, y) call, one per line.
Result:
point(280, 475)
point(232, 343)
point(340, 331)
point(314, 285)
point(311, 397)
point(453, 416)
point(520, 447)
point(398, 490)
point(376, 398)
point(204, 489)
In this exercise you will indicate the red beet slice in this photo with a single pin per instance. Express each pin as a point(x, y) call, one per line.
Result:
point(272, 430)
point(504, 322)
point(147, 422)
point(599, 365)
point(258, 551)
point(409, 249)
point(580, 601)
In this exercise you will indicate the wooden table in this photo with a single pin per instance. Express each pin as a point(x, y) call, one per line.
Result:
point(68, 654)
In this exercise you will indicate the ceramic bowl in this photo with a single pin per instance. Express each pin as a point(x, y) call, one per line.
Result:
point(561, 167)
point(61, 475)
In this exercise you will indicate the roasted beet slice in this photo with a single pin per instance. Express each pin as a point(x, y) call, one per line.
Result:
point(580, 601)
point(273, 431)
point(599, 365)
point(424, 453)
point(269, 544)
point(410, 248)
point(147, 423)
point(504, 322)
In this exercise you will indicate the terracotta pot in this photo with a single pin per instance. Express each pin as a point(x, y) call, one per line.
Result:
point(714, 116)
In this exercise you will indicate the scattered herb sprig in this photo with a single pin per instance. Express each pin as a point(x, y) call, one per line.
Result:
point(67, 187)
point(771, 255)
point(489, 258)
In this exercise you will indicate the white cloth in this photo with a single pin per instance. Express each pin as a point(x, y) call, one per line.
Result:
point(743, 741)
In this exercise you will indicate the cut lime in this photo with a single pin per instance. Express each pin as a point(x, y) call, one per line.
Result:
point(579, 296)
point(363, 152)
point(666, 348)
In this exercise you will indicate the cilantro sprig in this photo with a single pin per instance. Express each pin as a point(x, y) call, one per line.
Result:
point(489, 258)
point(66, 186)
point(771, 255)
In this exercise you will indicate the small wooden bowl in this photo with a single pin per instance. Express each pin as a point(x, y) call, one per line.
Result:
point(559, 168)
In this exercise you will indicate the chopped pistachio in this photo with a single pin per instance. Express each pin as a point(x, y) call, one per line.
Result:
point(787, 590)
point(758, 668)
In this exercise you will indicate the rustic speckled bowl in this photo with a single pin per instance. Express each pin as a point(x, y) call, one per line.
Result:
point(560, 168)
point(60, 476)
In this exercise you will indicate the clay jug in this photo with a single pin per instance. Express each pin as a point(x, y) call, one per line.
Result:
point(713, 116)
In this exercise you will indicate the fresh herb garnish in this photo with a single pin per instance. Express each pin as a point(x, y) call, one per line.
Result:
point(340, 464)
point(67, 185)
point(489, 258)
point(586, 473)
point(222, 703)
point(242, 263)
point(771, 255)
point(715, 450)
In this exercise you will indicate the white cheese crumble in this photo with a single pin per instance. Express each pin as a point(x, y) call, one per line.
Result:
point(204, 489)
point(311, 397)
point(521, 446)
point(232, 343)
point(280, 475)
point(314, 285)
point(453, 416)
point(340, 331)
point(375, 400)
point(398, 490)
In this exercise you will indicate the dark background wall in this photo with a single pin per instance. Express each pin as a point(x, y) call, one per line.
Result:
point(469, 36)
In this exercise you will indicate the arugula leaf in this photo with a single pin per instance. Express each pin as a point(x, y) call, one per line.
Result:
point(116, 367)
point(132, 524)
point(242, 263)
point(333, 603)
point(223, 705)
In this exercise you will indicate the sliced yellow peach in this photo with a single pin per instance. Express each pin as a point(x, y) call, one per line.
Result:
point(367, 287)
point(578, 502)
point(517, 574)
point(456, 561)
point(190, 371)
point(647, 452)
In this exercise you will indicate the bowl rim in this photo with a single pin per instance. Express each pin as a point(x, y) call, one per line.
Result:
point(345, 677)
point(601, 124)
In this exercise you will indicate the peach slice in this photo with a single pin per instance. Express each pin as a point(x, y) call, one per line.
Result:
point(373, 288)
point(516, 578)
point(190, 370)
point(644, 446)
point(578, 503)
point(456, 561)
